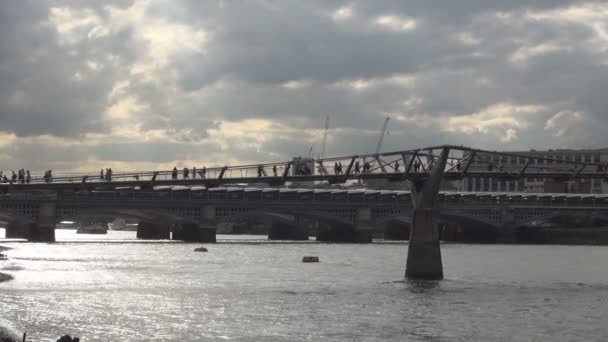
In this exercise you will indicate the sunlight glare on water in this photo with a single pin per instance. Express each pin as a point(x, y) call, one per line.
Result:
point(128, 290)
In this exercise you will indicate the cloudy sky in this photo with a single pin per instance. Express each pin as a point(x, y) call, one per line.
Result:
point(148, 84)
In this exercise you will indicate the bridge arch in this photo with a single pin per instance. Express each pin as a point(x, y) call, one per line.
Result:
point(135, 214)
point(453, 226)
point(603, 215)
point(16, 224)
point(297, 224)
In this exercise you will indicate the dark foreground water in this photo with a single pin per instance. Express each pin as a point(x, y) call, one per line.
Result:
point(133, 291)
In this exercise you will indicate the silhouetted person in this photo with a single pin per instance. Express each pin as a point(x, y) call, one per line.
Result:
point(366, 167)
point(203, 172)
point(274, 170)
point(357, 167)
point(194, 172)
point(396, 166)
point(28, 177)
point(260, 170)
point(101, 174)
point(416, 166)
point(174, 173)
point(186, 172)
point(13, 177)
point(109, 174)
point(48, 176)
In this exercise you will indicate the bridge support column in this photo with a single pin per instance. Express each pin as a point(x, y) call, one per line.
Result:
point(364, 228)
point(507, 231)
point(44, 229)
point(201, 232)
point(424, 254)
point(149, 230)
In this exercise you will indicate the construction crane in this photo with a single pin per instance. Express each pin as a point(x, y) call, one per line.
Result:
point(383, 132)
point(325, 136)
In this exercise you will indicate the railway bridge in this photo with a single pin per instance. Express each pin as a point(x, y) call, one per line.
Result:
point(332, 215)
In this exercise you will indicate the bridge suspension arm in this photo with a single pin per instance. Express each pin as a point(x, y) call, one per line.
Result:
point(523, 170)
point(286, 171)
point(411, 163)
point(350, 167)
point(222, 172)
point(578, 172)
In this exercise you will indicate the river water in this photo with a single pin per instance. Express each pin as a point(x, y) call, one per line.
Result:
point(113, 288)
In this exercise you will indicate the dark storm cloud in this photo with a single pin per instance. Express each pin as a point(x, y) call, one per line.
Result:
point(46, 86)
point(293, 63)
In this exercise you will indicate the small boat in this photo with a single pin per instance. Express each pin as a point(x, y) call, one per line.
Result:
point(200, 249)
point(92, 229)
point(3, 256)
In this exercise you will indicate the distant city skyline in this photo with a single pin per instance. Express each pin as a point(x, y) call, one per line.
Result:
point(142, 84)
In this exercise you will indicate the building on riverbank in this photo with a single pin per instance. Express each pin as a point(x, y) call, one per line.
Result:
point(559, 157)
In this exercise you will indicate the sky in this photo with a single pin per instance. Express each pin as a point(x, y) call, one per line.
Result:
point(146, 85)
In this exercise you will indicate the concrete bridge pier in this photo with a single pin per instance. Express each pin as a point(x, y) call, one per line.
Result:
point(364, 229)
point(43, 230)
point(424, 254)
point(151, 230)
point(507, 230)
point(198, 232)
point(193, 232)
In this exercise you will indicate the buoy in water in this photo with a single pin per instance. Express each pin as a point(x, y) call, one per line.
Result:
point(200, 249)
point(310, 259)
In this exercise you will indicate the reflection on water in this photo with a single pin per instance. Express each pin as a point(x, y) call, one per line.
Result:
point(254, 291)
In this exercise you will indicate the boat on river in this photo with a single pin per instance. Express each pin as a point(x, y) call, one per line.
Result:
point(3, 256)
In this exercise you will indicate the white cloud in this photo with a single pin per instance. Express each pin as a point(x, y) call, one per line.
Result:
point(343, 13)
point(561, 122)
point(395, 23)
point(524, 53)
point(500, 115)
point(509, 135)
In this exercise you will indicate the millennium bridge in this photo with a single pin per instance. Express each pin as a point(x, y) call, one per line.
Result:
point(32, 207)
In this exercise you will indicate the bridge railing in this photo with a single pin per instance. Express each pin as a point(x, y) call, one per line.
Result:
point(397, 166)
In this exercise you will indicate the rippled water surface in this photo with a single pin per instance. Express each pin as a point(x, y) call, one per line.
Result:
point(126, 290)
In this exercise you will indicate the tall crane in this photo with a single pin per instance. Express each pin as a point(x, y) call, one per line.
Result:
point(382, 133)
point(325, 136)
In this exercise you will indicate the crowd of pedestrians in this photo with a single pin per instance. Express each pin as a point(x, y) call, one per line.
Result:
point(105, 176)
point(187, 173)
point(22, 176)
